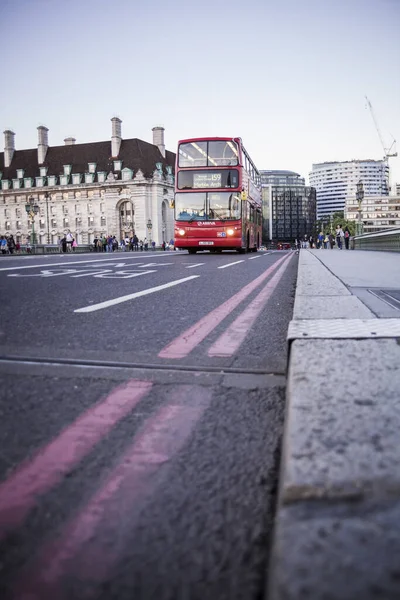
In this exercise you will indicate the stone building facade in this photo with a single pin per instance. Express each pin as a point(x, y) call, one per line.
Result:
point(117, 187)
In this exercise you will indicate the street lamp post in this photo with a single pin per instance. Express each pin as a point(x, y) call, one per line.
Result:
point(32, 210)
point(149, 228)
point(47, 197)
point(359, 196)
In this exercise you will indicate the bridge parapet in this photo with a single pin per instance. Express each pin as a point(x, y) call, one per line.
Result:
point(388, 241)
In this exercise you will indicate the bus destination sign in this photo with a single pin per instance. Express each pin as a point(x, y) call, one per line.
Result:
point(207, 180)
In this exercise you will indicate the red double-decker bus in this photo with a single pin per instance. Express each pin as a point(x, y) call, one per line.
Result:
point(217, 196)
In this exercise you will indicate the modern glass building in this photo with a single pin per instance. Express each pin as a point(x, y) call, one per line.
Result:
point(336, 181)
point(289, 206)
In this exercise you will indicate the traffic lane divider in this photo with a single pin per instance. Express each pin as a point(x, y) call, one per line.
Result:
point(182, 345)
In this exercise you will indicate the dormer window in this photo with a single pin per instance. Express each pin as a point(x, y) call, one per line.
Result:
point(20, 173)
point(5, 184)
point(64, 179)
point(76, 178)
point(52, 180)
point(117, 165)
point(40, 181)
point(16, 184)
point(43, 171)
point(89, 177)
point(101, 176)
point(92, 167)
point(67, 169)
point(28, 182)
point(127, 174)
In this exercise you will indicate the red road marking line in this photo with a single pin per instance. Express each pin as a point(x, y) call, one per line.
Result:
point(38, 475)
point(132, 481)
point(229, 342)
point(189, 339)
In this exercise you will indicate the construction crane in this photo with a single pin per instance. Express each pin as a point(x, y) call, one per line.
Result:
point(389, 152)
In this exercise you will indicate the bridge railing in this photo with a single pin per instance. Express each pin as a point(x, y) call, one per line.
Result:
point(388, 241)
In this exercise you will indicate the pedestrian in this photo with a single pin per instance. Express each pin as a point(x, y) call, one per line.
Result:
point(163, 245)
point(18, 248)
point(153, 245)
point(74, 244)
point(69, 240)
point(3, 245)
point(320, 240)
point(346, 237)
point(145, 244)
point(338, 237)
point(141, 245)
point(326, 241)
point(331, 240)
point(63, 244)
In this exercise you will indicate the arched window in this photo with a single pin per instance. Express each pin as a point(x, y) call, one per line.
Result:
point(126, 219)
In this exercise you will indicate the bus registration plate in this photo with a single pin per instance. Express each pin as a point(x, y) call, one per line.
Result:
point(206, 243)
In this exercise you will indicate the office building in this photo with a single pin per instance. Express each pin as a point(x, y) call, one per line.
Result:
point(336, 181)
point(376, 213)
point(289, 206)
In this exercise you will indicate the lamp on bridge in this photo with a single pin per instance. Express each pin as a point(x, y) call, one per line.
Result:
point(359, 197)
point(32, 210)
point(47, 197)
point(149, 228)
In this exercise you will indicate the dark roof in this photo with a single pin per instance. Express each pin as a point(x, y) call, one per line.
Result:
point(135, 154)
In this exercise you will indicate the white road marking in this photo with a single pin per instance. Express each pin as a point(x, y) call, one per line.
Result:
point(65, 263)
point(121, 299)
point(231, 264)
point(194, 266)
point(155, 265)
point(253, 257)
point(124, 274)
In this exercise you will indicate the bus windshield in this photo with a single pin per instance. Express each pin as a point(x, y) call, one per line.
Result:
point(206, 206)
point(208, 154)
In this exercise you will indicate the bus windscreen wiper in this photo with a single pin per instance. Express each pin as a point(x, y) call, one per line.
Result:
point(217, 215)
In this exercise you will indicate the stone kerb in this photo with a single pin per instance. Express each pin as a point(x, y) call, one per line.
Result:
point(337, 529)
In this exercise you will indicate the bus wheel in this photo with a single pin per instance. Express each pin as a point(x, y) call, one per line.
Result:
point(192, 251)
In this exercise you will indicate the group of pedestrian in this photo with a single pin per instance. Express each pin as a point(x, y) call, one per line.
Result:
point(68, 243)
point(8, 245)
point(340, 238)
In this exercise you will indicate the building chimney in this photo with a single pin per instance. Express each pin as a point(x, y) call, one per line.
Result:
point(43, 143)
point(158, 138)
point(116, 138)
point(69, 141)
point(9, 147)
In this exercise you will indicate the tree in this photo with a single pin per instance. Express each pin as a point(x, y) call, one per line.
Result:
point(329, 224)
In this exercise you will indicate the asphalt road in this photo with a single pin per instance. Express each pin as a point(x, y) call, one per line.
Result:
point(142, 405)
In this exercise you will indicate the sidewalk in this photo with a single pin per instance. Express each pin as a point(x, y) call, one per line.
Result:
point(337, 531)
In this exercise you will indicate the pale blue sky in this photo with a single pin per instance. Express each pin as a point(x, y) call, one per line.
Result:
point(288, 77)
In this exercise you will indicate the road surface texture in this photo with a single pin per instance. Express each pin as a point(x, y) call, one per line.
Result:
point(142, 404)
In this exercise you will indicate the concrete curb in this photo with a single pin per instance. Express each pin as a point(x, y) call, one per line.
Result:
point(337, 528)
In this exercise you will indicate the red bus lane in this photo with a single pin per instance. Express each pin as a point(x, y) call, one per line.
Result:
point(217, 196)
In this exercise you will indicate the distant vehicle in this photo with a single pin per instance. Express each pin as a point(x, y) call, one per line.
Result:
point(283, 246)
point(217, 196)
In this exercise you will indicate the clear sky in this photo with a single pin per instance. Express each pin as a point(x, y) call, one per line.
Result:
point(288, 77)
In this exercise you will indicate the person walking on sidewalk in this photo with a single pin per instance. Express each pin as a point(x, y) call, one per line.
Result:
point(346, 237)
point(339, 236)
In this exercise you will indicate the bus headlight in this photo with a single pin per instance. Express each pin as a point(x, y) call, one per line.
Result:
point(230, 231)
point(181, 232)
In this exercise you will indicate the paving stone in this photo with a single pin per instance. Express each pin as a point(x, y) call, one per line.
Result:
point(337, 307)
point(337, 552)
point(343, 418)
